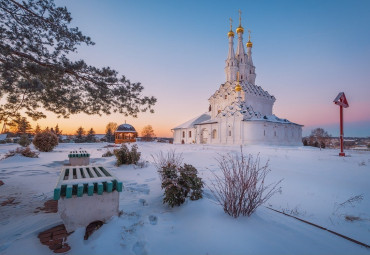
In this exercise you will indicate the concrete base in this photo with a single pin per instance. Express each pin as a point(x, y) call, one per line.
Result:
point(79, 212)
point(79, 161)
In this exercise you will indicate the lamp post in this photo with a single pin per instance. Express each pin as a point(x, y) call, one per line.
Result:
point(341, 100)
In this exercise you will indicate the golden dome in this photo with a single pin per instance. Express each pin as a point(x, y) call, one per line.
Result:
point(238, 88)
point(249, 44)
point(231, 33)
point(240, 29)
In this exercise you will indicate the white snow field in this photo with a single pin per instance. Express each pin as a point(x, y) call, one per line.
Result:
point(317, 187)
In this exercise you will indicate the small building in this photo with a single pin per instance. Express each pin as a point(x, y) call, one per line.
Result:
point(125, 133)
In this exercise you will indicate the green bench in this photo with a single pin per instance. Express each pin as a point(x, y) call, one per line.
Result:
point(79, 158)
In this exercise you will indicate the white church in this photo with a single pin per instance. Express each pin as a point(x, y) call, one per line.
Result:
point(240, 112)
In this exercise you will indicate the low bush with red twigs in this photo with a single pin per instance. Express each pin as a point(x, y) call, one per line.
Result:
point(241, 188)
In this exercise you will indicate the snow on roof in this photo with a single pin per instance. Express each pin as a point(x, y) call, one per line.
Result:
point(195, 121)
point(125, 128)
point(272, 118)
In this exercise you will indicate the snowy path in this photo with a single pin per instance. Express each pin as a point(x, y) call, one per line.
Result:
point(315, 185)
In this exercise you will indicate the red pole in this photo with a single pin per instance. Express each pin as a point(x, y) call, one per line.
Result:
point(341, 153)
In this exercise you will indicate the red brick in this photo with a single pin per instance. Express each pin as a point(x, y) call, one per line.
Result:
point(65, 248)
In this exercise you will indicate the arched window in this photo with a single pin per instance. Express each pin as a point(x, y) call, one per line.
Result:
point(210, 108)
point(275, 132)
point(189, 133)
point(264, 132)
point(214, 134)
point(250, 71)
point(241, 77)
point(241, 60)
point(225, 96)
point(229, 132)
point(183, 134)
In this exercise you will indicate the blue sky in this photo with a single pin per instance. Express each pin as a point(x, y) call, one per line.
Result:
point(305, 52)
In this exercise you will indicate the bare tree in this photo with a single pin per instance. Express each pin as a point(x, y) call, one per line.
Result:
point(241, 188)
point(319, 138)
point(147, 133)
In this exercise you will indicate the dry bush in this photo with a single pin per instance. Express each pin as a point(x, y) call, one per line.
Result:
point(26, 152)
point(45, 141)
point(241, 188)
point(108, 153)
point(169, 159)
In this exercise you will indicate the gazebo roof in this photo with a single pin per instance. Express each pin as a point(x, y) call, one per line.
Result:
point(126, 128)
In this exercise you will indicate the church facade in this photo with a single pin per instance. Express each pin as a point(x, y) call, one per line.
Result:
point(240, 112)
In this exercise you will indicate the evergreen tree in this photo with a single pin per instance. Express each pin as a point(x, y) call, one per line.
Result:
point(21, 125)
point(37, 75)
point(80, 135)
point(37, 129)
point(57, 131)
point(109, 131)
point(91, 136)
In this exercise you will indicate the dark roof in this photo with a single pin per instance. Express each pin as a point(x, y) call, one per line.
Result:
point(125, 128)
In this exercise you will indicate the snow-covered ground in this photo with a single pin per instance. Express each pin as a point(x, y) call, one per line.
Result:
point(316, 186)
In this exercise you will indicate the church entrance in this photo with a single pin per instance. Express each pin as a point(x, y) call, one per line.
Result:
point(204, 136)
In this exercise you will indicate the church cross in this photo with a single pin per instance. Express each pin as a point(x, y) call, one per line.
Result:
point(249, 36)
point(240, 18)
point(231, 25)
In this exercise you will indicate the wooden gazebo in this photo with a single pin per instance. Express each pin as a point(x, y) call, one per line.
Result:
point(125, 133)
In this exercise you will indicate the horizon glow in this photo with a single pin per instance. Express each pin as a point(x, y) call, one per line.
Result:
point(305, 53)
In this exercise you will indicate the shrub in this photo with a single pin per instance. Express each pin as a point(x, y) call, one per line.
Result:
point(241, 189)
point(24, 141)
point(125, 156)
point(189, 175)
point(26, 152)
point(141, 164)
point(178, 181)
point(305, 142)
point(108, 153)
point(45, 141)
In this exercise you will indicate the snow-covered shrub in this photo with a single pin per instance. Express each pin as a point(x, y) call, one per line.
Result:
point(189, 175)
point(26, 152)
point(45, 141)
point(125, 156)
point(108, 153)
point(175, 189)
point(178, 182)
point(241, 188)
point(24, 141)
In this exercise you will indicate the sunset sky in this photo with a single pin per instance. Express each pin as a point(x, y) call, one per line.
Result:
point(305, 53)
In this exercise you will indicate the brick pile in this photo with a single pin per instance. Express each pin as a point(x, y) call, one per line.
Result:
point(55, 238)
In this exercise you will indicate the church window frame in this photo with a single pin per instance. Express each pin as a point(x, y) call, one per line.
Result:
point(183, 134)
point(214, 134)
point(229, 132)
